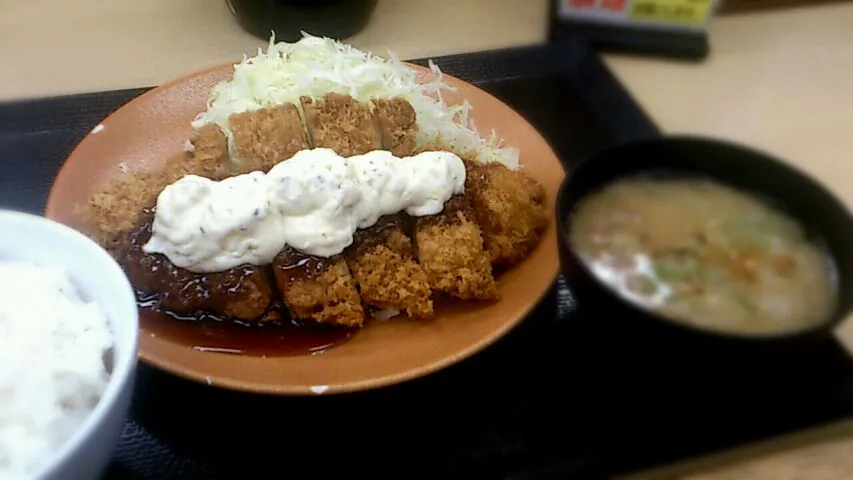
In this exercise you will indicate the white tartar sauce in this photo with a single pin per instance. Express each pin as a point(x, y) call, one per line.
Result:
point(313, 202)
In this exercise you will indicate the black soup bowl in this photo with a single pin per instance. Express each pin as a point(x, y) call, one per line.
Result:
point(619, 321)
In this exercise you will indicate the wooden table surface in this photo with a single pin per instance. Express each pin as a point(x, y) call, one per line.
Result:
point(780, 80)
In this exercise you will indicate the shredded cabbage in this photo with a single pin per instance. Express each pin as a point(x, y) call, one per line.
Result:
point(314, 66)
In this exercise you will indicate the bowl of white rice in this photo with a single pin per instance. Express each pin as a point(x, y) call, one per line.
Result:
point(69, 326)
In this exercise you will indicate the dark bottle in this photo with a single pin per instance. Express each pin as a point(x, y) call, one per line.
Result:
point(337, 19)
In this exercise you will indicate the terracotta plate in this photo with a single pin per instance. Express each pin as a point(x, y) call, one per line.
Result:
point(153, 127)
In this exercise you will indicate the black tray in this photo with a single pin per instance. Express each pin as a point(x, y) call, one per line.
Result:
point(543, 402)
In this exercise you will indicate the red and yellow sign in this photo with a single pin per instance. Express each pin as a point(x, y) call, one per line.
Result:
point(606, 5)
point(671, 11)
point(681, 12)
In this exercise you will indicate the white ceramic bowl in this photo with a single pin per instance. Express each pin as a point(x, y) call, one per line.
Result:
point(44, 242)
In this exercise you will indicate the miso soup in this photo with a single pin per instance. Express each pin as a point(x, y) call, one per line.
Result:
point(705, 254)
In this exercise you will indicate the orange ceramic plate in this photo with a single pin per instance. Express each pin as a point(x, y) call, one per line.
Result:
point(153, 127)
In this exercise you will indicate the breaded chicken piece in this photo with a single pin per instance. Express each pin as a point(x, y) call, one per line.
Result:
point(510, 209)
point(450, 250)
point(321, 290)
point(341, 123)
point(265, 137)
point(210, 153)
point(382, 262)
point(397, 124)
point(242, 293)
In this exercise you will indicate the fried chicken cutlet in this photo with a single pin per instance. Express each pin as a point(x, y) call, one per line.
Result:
point(396, 122)
point(450, 250)
point(341, 123)
point(241, 293)
point(382, 262)
point(510, 210)
point(265, 137)
point(317, 289)
point(119, 207)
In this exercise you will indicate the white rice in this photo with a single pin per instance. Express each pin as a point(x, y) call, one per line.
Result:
point(52, 370)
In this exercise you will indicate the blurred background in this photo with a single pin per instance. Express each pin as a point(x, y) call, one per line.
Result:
point(775, 74)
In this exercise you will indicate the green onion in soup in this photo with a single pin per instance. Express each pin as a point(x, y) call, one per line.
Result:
point(704, 254)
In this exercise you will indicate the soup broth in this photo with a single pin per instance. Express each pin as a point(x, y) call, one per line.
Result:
point(705, 254)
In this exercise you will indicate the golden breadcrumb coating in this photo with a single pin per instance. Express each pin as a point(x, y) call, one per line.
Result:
point(210, 152)
point(265, 137)
point(450, 249)
point(381, 261)
point(341, 123)
point(116, 208)
point(510, 210)
point(318, 289)
point(396, 121)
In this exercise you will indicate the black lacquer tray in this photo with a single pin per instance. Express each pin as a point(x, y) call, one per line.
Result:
point(544, 402)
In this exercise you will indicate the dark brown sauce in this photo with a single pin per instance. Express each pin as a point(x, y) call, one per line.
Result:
point(209, 333)
point(168, 293)
point(179, 303)
point(365, 239)
point(290, 265)
point(235, 292)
